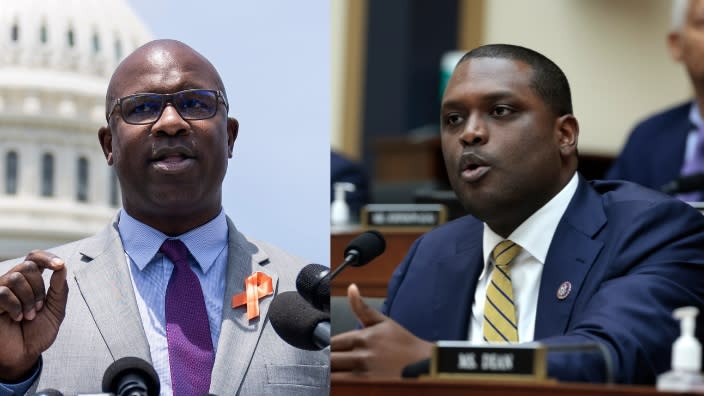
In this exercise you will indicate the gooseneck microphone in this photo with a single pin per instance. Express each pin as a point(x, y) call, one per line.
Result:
point(684, 184)
point(131, 376)
point(313, 283)
point(361, 250)
point(48, 392)
point(298, 323)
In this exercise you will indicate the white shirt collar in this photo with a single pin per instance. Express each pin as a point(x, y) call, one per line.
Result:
point(535, 234)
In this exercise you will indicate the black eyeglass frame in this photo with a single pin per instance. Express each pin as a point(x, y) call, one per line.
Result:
point(166, 99)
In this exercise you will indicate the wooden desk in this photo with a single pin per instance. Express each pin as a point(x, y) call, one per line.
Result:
point(372, 278)
point(409, 387)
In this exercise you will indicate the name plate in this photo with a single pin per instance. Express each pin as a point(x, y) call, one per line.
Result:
point(464, 359)
point(403, 215)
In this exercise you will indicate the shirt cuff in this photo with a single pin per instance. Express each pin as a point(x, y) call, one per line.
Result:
point(21, 388)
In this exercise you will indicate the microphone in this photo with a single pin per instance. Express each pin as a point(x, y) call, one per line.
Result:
point(684, 184)
point(313, 283)
point(48, 392)
point(131, 376)
point(361, 250)
point(298, 323)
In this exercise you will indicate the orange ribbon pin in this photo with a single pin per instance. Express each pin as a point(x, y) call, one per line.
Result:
point(258, 285)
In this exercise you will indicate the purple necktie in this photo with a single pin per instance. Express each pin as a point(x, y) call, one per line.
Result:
point(692, 166)
point(187, 330)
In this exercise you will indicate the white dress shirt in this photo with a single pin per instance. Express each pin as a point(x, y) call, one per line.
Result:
point(534, 235)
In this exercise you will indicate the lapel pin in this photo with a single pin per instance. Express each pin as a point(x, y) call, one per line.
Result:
point(257, 286)
point(564, 290)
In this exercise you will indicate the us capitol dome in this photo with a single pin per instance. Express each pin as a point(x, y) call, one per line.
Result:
point(56, 58)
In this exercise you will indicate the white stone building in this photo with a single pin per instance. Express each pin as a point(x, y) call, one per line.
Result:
point(56, 58)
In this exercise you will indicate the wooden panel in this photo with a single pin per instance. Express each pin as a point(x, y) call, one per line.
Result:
point(350, 110)
point(470, 24)
point(406, 159)
point(408, 387)
point(373, 278)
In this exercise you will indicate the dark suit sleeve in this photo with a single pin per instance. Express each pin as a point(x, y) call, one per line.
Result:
point(654, 263)
point(398, 276)
point(431, 291)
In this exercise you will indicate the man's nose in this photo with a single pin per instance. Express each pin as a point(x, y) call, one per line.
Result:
point(475, 131)
point(170, 122)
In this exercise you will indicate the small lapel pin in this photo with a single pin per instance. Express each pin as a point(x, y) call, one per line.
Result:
point(564, 290)
point(257, 286)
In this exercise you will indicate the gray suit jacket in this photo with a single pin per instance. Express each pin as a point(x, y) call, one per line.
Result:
point(102, 323)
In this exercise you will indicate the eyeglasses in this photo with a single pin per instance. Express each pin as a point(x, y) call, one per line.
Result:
point(146, 108)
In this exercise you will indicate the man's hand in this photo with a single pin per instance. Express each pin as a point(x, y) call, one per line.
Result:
point(29, 317)
point(381, 349)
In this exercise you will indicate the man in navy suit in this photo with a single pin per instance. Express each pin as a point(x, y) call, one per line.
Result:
point(599, 262)
point(659, 147)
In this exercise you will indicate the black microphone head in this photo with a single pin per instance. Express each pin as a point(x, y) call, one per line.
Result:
point(295, 320)
point(314, 285)
point(48, 392)
point(367, 245)
point(130, 366)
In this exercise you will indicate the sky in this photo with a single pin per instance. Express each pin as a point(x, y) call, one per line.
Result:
point(274, 58)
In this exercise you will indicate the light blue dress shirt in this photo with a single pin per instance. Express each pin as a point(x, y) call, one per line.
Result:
point(151, 271)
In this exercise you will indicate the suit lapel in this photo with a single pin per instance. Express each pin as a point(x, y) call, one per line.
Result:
point(455, 280)
point(103, 280)
point(570, 257)
point(238, 335)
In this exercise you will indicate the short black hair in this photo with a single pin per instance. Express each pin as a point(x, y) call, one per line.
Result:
point(549, 82)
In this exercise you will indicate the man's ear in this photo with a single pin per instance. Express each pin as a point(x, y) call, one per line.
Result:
point(233, 128)
point(567, 129)
point(105, 138)
point(674, 43)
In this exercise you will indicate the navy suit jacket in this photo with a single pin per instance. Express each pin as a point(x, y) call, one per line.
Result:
point(654, 152)
point(632, 255)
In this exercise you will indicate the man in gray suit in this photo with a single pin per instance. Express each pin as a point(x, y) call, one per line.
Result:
point(170, 257)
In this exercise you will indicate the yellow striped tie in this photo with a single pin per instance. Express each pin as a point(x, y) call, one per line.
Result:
point(500, 322)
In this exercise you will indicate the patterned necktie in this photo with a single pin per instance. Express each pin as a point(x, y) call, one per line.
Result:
point(693, 165)
point(500, 321)
point(191, 354)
